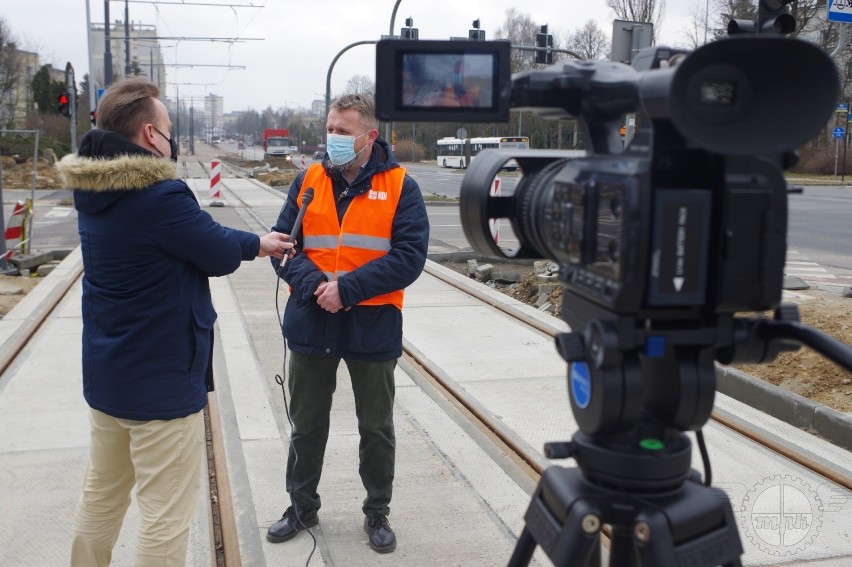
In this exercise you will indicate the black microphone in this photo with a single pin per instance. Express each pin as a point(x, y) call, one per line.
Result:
point(307, 197)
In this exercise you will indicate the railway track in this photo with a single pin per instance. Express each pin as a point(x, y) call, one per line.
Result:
point(430, 375)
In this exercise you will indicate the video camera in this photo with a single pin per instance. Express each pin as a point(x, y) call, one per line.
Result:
point(659, 242)
point(691, 214)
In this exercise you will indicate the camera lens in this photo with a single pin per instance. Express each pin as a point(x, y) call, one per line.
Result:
point(540, 220)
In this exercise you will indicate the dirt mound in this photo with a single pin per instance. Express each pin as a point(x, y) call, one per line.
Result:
point(18, 174)
point(275, 172)
point(278, 178)
point(274, 163)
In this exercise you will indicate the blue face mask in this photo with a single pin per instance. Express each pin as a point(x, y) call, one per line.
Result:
point(341, 148)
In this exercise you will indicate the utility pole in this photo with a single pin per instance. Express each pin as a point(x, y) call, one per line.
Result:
point(71, 87)
point(127, 70)
point(107, 49)
point(93, 101)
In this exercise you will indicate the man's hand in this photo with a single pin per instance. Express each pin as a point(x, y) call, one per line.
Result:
point(275, 244)
point(328, 297)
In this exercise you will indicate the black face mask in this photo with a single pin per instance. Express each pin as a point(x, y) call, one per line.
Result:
point(172, 144)
point(174, 147)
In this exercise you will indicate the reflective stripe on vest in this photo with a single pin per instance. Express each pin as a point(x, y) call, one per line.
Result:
point(364, 234)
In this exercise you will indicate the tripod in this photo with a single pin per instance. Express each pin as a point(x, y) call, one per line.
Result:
point(633, 459)
point(660, 514)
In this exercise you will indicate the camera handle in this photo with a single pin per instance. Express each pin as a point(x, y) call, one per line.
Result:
point(759, 340)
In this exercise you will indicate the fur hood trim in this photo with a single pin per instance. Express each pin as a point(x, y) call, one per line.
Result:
point(123, 173)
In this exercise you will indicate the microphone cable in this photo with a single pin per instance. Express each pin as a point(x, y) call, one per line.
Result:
point(307, 197)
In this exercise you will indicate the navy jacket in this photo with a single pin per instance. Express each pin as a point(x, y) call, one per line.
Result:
point(148, 250)
point(374, 332)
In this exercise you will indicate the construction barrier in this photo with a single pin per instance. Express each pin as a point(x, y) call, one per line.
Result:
point(215, 180)
point(15, 229)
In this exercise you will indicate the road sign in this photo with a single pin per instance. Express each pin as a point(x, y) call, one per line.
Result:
point(838, 132)
point(840, 11)
point(843, 107)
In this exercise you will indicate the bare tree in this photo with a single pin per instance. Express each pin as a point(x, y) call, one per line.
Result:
point(696, 30)
point(360, 84)
point(519, 28)
point(640, 11)
point(10, 74)
point(589, 41)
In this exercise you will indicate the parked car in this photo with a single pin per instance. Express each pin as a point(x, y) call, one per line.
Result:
point(318, 155)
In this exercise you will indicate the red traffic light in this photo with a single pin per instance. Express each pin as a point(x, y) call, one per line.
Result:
point(62, 107)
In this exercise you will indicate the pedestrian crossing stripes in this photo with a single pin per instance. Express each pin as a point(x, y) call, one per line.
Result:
point(799, 265)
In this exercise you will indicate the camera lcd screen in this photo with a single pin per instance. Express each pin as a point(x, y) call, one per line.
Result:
point(460, 81)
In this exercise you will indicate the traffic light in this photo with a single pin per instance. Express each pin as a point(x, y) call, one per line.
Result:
point(476, 34)
point(62, 106)
point(543, 43)
point(94, 114)
point(409, 32)
point(773, 16)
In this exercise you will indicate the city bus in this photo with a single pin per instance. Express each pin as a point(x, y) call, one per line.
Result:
point(451, 150)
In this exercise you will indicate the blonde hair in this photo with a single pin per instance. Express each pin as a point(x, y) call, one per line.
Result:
point(363, 104)
point(126, 105)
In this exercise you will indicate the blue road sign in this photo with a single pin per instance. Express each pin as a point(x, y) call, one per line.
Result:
point(840, 11)
point(842, 107)
point(838, 132)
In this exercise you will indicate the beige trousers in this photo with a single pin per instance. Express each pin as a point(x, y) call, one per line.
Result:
point(163, 459)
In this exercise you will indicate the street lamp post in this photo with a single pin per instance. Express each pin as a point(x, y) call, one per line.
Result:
point(390, 33)
point(331, 68)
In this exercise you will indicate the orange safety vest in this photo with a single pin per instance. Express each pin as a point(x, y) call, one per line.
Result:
point(364, 234)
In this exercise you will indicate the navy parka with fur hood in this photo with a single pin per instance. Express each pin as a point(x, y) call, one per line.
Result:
point(148, 250)
point(364, 332)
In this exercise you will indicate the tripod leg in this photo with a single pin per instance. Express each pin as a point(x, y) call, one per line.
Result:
point(622, 551)
point(523, 550)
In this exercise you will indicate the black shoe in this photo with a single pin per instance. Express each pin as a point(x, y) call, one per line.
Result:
point(288, 526)
point(382, 538)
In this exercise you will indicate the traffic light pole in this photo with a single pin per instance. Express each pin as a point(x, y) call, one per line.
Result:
point(71, 87)
point(548, 49)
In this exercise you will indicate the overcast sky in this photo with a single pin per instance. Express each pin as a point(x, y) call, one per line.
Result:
point(288, 66)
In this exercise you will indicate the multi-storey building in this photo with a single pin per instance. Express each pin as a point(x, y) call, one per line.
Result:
point(145, 55)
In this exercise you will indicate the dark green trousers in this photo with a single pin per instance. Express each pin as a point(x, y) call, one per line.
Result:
point(312, 381)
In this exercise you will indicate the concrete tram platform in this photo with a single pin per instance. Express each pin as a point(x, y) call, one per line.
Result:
point(439, 518)
point(457, 500)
